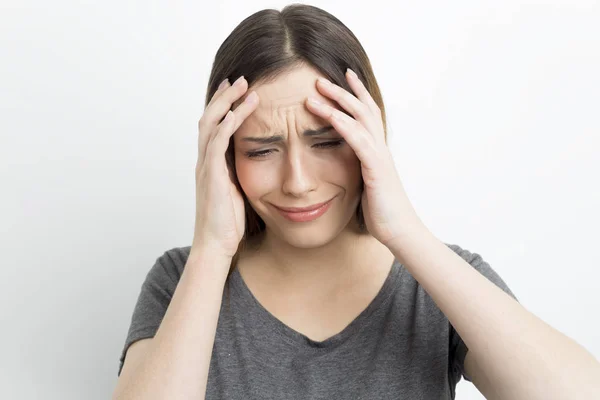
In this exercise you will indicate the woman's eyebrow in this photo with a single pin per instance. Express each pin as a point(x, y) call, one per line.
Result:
point(279, 138)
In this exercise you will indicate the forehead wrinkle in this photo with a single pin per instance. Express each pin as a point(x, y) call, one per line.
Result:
point(275, 106)
point(278, 118)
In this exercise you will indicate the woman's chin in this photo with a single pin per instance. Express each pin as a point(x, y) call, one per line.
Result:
point(310, 235)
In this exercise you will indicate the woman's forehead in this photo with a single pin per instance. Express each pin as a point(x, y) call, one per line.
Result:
point(277, 115)
point(285, 97)
point(287, 89)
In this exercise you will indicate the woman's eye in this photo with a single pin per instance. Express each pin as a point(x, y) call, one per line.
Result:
point(258, 154)
point(335, 143)
point(264, 153)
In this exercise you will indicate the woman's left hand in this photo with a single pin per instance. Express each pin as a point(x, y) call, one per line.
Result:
point(387, 210)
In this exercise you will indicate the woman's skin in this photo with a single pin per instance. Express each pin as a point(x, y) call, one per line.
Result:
point(315, 276)
point(303, 267)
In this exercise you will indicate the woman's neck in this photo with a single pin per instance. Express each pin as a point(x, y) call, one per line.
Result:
point(348, 256)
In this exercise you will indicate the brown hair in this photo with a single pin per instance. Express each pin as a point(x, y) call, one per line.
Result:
point(271, 42)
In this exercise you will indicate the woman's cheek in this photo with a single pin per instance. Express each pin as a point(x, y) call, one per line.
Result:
point(351, 164)
point(256, 178)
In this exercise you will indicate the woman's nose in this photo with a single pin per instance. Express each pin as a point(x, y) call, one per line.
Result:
point(298, 177)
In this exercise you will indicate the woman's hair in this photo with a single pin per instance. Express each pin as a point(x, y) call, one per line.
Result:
point(269, 43)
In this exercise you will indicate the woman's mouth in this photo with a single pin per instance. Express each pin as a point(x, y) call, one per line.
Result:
point(304, 214)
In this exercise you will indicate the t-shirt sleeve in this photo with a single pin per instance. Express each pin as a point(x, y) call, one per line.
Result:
point(458, 348)
point(154, 298)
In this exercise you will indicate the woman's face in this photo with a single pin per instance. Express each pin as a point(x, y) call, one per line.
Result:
point(297, 168)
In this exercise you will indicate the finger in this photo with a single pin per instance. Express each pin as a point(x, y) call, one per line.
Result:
point(241, 112)
point(245, 108)
point(222, 86)
point(203, 128)
point(202, 134)
point(218, 144)
point(361, 91)
point(216, 111)
point(359, 139)
point(360, 111)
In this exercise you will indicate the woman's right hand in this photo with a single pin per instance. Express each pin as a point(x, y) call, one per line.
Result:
point(220, 218)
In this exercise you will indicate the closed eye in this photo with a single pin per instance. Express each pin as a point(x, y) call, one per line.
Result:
point(323, 145)
point(326, 145)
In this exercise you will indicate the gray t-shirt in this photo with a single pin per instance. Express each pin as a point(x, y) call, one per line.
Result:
point(400, 347)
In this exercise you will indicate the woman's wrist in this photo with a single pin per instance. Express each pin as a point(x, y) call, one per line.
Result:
point(205, 257)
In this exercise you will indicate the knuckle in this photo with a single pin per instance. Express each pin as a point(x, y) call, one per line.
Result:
point(363, 109)
point(362, 141)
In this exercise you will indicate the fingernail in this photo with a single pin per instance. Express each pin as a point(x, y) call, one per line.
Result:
point(324, 81)
point(238, 81)
point(223, 84)
point(351, 72)
point(251, 98)
point(229, 116)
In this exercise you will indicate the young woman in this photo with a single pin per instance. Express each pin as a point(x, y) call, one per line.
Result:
point(310, 275)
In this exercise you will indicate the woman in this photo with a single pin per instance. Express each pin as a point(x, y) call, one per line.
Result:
point(310, 275)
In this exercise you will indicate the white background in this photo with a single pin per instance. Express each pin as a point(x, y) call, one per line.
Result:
point(494, 123)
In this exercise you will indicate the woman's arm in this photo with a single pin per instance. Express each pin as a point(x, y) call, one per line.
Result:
point(178, 357)
point(512, 353)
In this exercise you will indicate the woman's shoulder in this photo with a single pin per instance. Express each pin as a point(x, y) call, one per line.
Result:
point(171, 263)
point(475, 260)
point(168, 267)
